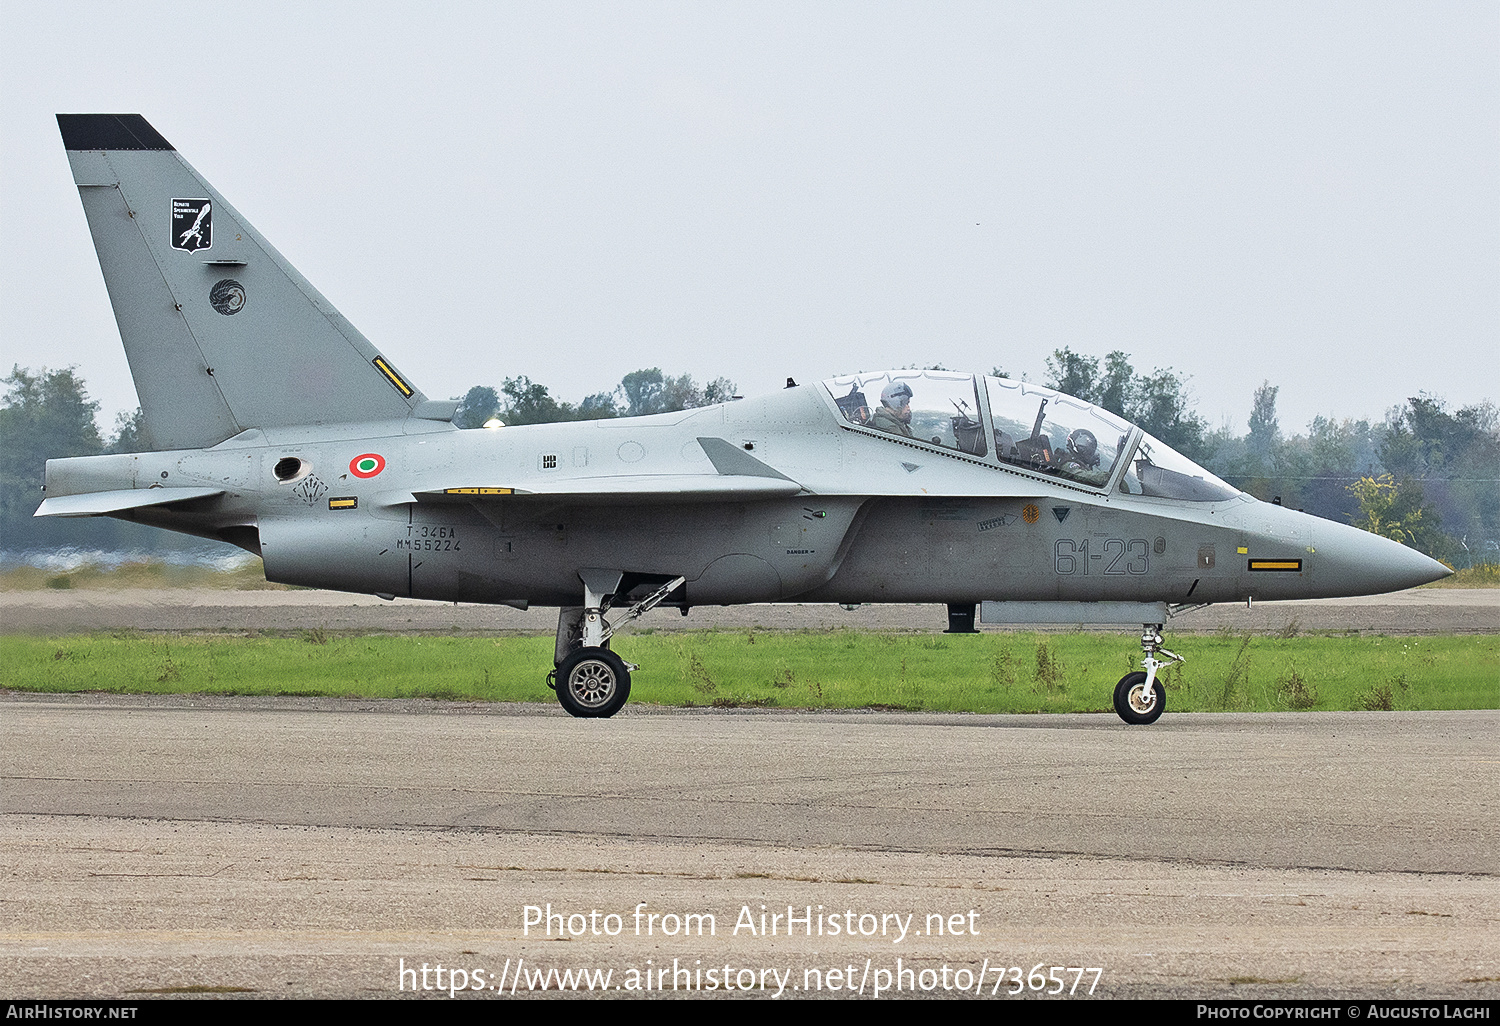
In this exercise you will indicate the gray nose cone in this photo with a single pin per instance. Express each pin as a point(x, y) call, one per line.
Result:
point(1356, 562)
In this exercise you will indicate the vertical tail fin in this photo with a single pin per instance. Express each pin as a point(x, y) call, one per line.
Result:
point(222, 334)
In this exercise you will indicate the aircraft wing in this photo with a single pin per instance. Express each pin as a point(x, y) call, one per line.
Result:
point(95, 504)
point(608, 490)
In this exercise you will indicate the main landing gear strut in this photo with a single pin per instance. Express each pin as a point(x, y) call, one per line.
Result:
point(590, 680)
point(1140, 697)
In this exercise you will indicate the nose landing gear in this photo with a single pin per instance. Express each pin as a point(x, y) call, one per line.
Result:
point(1140, 697)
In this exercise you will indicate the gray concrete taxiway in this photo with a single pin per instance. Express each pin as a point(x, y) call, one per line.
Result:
point(295, 847)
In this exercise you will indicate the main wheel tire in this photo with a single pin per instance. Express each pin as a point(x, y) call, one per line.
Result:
point(593, 682)
point(1134, 704)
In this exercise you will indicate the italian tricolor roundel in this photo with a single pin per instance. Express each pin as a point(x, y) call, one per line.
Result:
point(368, 465)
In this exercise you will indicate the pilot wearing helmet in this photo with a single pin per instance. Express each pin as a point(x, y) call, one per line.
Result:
point(894, 412)
point(1081, 455)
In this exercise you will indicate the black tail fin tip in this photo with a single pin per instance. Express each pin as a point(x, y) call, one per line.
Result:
point(110, 132)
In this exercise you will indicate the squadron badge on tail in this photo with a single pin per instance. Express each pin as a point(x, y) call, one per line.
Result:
point(192, 224)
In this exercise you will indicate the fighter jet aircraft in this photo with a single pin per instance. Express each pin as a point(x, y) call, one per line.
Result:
point(280, 428)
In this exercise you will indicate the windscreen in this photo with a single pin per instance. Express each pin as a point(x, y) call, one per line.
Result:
point(1159, 470)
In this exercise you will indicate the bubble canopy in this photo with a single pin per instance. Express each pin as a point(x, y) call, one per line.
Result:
point(1023, 426)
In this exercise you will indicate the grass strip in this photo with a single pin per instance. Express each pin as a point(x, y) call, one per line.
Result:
point(840, 669)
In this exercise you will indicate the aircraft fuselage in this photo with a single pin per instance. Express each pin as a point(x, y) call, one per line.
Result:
point(873, 521)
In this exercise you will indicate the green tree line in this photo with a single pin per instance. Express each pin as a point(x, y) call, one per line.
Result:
point(640, 393)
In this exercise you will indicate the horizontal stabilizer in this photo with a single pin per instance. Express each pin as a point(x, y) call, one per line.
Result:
point(610, 490)
point(97, 504)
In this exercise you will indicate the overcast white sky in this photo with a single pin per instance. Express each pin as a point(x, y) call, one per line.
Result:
point(1306, 192)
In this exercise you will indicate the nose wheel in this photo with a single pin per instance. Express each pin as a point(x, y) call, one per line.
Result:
point(1140, 697)
point(1137, 701)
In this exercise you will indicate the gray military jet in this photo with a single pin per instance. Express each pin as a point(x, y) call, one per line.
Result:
point(280, 428)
